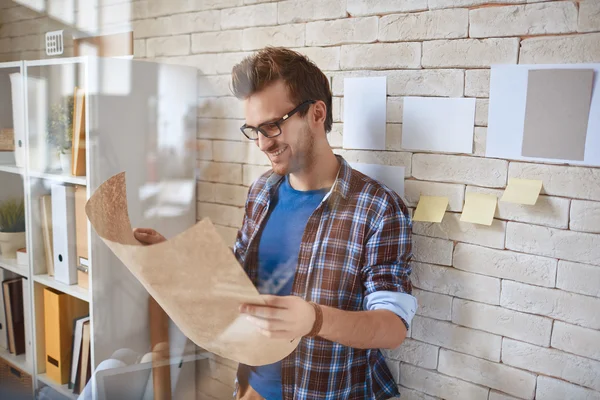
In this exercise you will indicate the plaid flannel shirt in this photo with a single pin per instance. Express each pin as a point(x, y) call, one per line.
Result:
point(357, 241)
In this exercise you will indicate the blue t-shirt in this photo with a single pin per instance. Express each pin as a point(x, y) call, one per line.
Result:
point(277, 259)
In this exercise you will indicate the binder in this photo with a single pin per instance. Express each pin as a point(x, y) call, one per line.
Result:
point(60, 310)
point(16, 83)
point(63, 233)
point(4, 276)
point(82, 236)
point(46, 216)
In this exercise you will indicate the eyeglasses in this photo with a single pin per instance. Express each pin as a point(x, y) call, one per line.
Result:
point(272, 129)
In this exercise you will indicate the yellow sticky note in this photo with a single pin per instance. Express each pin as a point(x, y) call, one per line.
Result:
point(479, 208)
point(522, 191)
point(431, 209)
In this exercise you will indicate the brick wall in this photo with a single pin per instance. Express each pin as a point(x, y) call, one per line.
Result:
point(507, 311)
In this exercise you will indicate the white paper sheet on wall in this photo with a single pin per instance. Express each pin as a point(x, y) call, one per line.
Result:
point(365, 113)
point(438, 124)
point(391, 176)
point(506, 118)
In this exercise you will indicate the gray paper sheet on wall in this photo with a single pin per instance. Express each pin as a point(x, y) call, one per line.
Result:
point(557, 112)
point(194, 277)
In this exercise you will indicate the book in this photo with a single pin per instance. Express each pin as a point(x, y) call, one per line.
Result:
point(85, 370)
point(46, 217)
point(76, 350)
point(15, 319)
point(78, 146)
point(4, 276)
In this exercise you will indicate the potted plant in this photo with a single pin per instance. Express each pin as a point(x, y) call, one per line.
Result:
point(12, 227)
point(60, 130)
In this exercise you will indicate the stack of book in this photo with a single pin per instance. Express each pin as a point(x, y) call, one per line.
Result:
point(12, 315)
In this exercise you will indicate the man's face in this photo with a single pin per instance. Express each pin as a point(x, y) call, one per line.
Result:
point(292, 151)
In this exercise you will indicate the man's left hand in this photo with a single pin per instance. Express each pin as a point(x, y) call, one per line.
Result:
point(282, 317)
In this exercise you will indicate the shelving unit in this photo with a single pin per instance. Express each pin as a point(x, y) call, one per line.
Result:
point(135, 112)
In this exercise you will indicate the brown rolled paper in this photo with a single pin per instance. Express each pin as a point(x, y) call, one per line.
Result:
point(194, 277)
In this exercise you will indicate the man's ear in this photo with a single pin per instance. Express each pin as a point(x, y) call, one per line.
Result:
point(319, 113)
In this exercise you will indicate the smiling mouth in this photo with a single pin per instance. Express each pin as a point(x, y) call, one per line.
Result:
point(278, 152)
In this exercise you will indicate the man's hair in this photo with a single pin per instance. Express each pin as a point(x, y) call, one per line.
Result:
point(304, 80)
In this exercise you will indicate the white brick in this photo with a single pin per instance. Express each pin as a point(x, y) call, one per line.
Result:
point(168, 46)
point(310, 10)
point(393, 137)
point(378, 157)
point(505, 264)
point(577, 340)
point(497, 376)
point(579, 370)
point(481, 113)
point(219, 172)
point(578, 278)
point(379, 7)
point(547, 211)
point(585, 216)
point(410, 394)
point(479, 140)
point(573, 182)
point(253, 172)
point(214, 85)
point(437, 4)
point(460, 169)
point(441, 82)
point(455, 193)
point(215, 42)
point(205, 192)
point(416, 353)
point(335, 136)
point(239, 152)
point(243, 17)
point(220, 107)
point(227, 233)
point(326, 58)
point(450, 336)
point(394, 109)
point(232, 195)
point(568, 49)
point(440, 385)
point(381, 56)
point(30, 42)
point(208, 64)
point(222, 129)
point(556, 243)
point(494, 395)
point(554, 389)
point(433, 305)
point(258, 1)
point(220, 214)
point(349, 30)
point(477, 83)
point(192, 22)
point(204, 149)
point(139, 48)
point(428, 25)
point(528, 328)
point(432, 250)
point(531, 19)
point(589, 16)
point(454, 282)
point(159, 7)
point(336, 105)
point(277, 36)
point(470, 53)
point(452, 228)
point(554, 303)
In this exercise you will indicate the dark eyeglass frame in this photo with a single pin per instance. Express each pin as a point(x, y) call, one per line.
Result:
point(277, 123)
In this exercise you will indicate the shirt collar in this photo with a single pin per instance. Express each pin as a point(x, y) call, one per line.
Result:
point(341, 186)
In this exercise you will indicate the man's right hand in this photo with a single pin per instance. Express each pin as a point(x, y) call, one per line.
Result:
point(148, 236)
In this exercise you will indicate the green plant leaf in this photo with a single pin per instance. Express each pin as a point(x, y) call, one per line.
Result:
point(12, 216)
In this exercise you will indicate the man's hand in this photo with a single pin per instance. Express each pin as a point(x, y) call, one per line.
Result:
point(148, 236)
point(283, 317)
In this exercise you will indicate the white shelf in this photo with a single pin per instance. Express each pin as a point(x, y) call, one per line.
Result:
point(59, 177)
point(62, 389)
point(72, 290)
point(11, 265)
point(17, 361)
point(13, 169)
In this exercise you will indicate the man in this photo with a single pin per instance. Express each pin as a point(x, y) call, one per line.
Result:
point(329, 246)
